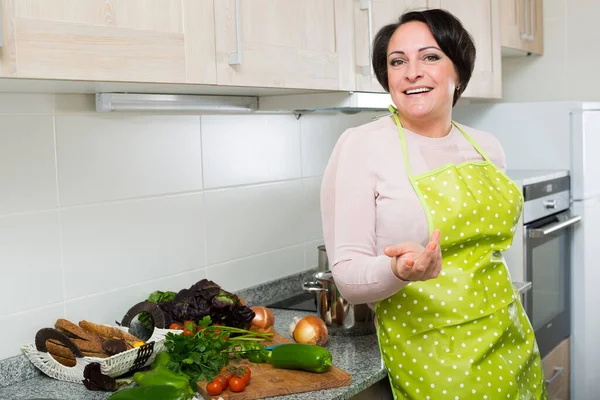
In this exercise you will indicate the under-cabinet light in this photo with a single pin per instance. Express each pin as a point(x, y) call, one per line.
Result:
point(130, 102)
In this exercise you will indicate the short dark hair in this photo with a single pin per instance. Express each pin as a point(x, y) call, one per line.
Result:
point(448, 32)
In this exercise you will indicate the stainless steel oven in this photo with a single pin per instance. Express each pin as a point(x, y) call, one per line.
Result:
point(547, 241)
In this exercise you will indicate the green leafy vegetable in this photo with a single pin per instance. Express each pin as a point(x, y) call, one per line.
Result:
point(156, 298)
point(203, 355)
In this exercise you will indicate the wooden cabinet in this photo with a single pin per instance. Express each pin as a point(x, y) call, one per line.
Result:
point(292, 44)
point(109, 40)
point(557, 371)
point(521, 25)
point(369, 17)
point(481, 18)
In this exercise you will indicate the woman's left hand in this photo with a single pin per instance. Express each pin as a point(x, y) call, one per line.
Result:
point(413, 262)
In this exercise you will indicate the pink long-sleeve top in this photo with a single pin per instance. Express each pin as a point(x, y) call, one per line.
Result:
point(368, 203)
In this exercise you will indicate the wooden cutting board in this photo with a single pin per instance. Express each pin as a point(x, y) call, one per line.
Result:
point(266, 381)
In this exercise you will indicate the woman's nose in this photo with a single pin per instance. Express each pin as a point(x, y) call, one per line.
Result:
point(414, 72)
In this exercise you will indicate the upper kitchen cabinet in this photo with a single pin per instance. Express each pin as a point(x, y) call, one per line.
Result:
point(369, 17)
point(482, 19)
point(286, 44)
point(521, 26)
point(161, 41)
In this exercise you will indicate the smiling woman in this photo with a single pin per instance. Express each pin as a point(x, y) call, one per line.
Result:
point(416, 212)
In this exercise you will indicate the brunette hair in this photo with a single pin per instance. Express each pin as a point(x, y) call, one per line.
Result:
point(448, 32)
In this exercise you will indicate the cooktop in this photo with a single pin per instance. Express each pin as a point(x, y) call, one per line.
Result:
point(301, 302)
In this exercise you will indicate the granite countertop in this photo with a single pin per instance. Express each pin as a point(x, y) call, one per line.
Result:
point(357, 355)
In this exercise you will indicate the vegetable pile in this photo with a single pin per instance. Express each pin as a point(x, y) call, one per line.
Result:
point(204, 298)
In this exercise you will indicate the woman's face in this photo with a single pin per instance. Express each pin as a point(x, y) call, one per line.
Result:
point(421, 78)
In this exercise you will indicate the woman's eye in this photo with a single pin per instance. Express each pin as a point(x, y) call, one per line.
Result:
point(396, 62)
point(432, 57)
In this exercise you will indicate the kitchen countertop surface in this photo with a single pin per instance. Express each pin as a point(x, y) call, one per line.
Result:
point(357, 355)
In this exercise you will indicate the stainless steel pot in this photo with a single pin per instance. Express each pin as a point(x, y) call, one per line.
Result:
point(340, 316)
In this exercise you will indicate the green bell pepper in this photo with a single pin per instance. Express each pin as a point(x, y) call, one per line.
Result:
point(154, 392)
point(162, 376)
point(162, 359)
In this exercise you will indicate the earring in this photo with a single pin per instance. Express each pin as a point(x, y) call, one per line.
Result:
point(457, 88)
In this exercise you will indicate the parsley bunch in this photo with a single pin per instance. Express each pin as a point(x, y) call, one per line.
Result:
point(203, 355)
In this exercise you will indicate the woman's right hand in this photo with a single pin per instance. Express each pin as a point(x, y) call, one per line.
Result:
point(412, 262)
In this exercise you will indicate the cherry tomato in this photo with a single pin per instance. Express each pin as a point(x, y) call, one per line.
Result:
point(176, 325)
point(236, 384)
point(214, 388)
point(188, 333)
point(245, 374)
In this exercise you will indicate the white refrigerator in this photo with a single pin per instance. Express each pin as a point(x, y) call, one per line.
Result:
point(561, 135)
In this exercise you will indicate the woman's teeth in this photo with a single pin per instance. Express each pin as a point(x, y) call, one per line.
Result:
point(419, 90)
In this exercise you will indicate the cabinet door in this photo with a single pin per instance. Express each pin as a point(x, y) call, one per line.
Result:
point(521, 25)
point(292, 44)
point(369, 17)
point(481, 18)
point(109, 40)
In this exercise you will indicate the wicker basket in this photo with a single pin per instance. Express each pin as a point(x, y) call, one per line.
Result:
point(113, 366)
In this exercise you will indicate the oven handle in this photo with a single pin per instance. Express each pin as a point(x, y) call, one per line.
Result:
point(538, 233)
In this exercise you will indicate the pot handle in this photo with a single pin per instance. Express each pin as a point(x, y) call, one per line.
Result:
point(313, 287)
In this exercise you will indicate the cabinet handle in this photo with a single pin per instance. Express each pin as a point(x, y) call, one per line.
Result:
point(525, 36)
point(367, 5)
point(1, 26)
point(531, 18)
point(236, 58)
point(557, 372)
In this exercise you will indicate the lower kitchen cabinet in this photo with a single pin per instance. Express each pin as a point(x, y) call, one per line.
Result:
point(557, 371)
point(380, 391)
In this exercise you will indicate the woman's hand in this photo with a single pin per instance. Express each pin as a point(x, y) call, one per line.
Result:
point(413, 262)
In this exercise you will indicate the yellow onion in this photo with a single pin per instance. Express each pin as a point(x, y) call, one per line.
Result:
point(309, 330)
point(263, 320)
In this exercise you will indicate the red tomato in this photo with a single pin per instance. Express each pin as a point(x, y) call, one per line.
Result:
point(214, 388)
point(236, 384)
point(188, 333)
point(176, 325)
point(245, 374)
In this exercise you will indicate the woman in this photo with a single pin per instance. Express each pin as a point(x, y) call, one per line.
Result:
point(416, 213)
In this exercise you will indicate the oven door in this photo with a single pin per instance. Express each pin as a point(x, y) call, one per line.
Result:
point(548, 268)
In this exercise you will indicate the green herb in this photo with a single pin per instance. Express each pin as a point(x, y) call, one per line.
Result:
point(203, 355)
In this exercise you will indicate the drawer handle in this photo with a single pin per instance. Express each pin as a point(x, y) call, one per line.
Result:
point(236, 58)
point(557, 372)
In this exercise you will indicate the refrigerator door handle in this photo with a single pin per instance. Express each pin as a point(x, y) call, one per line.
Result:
point(538, 233)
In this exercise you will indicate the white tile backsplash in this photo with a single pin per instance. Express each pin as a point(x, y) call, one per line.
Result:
point(30, 262)
point(254, 270)
point(251, 220)
point(108, 307)
point(124, 243)
point(320, 132)
point(20, 329)
point(149, 202)
point(27, 164)
point(246, 149)
point(104, 158)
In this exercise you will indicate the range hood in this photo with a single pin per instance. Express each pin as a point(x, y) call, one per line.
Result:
point(345, 102)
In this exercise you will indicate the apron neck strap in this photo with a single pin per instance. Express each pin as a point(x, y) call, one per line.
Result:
point(394, 112)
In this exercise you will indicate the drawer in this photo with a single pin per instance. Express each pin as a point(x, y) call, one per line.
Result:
point(557, 371)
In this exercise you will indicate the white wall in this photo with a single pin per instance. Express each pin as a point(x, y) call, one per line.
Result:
point(97, 211)
point(568, 68)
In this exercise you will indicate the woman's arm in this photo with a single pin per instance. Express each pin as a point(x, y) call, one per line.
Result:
point(348, 194)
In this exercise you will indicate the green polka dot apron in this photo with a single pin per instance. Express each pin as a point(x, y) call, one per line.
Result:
point(465, 334)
